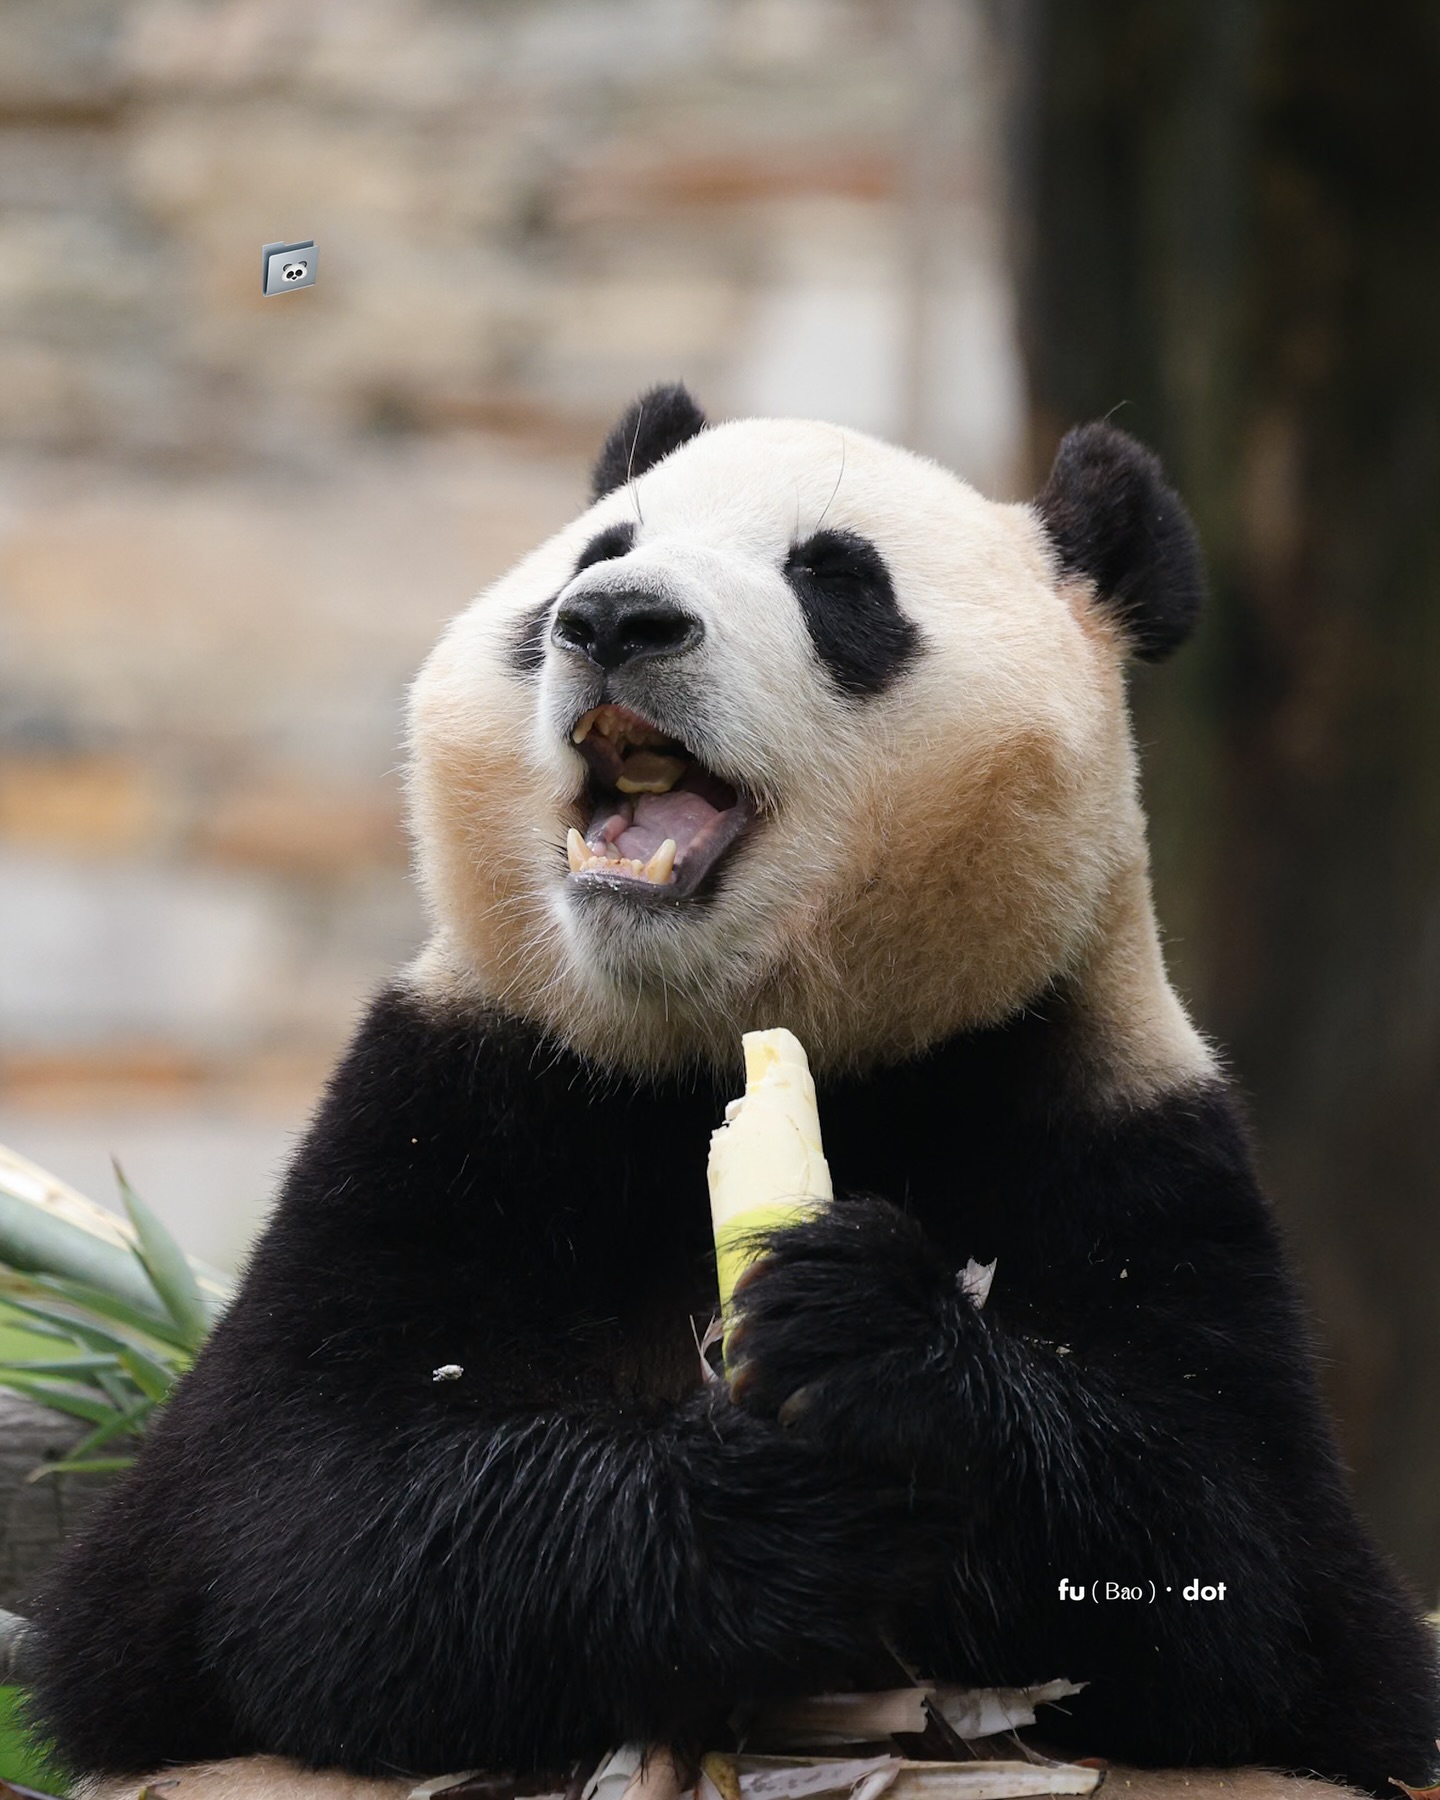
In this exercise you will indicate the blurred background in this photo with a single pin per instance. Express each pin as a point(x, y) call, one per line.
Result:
point(230, 527)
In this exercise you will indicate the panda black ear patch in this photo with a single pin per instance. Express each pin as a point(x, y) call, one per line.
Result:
point(1112, 515)
point(654, 425)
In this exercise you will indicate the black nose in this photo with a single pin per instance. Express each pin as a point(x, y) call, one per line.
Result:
point(613, 629)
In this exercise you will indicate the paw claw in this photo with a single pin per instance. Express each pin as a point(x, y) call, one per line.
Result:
point(742, 1379)
point(796, 1406)
point(749, 1273)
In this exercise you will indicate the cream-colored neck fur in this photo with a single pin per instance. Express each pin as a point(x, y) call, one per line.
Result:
point(1132, 1039)
point(1129, 1037)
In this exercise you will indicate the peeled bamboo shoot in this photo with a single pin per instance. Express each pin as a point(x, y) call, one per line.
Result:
point(767, 1166)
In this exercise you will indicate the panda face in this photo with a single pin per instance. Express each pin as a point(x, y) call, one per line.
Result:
point(791, 727)
point(697, 659)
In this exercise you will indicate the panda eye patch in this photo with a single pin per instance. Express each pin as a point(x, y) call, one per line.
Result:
point(848, 603)
point(613, 541)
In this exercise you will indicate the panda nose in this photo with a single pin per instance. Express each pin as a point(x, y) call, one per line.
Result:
point(611, 630)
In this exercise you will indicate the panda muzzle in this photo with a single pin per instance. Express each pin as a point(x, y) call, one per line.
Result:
point(656, 817)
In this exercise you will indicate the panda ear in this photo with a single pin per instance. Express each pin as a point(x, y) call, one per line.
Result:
point(657, 423)
point(1113, 517)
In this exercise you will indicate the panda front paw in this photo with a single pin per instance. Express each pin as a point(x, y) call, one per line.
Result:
point(848, 1329)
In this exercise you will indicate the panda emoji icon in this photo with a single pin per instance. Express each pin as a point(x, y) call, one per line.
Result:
point(787, 728)
point(285, 267)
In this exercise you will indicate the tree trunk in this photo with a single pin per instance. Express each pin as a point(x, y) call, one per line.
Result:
point(1229, 239)
point(35, 1515)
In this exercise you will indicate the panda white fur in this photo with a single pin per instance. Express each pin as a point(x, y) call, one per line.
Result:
point(906, 825)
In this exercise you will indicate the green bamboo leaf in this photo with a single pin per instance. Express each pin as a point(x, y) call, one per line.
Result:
point(81, 1465)
point(165, 1263)
point(68, 1365)
point(132, 1419)
point(160, 1335)
point(31, 1327)
point(39, 1242)
point(130, 1369)
point(153, 1379)
point(162, 1370)
point(60, 1397)
point(153, 1367)
point(47, 1228)
point(117, 1387)
point(81, 1317)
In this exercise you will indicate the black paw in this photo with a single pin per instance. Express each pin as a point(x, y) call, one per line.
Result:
point(843, 1326)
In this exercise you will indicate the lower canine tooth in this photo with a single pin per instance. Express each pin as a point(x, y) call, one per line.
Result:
point(662, 864)
point(577, 851)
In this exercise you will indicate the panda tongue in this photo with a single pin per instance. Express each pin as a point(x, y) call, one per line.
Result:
point(655, 817)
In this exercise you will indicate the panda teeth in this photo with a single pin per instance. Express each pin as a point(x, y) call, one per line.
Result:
point(659, 871)
point(648, 772)
point(661, 867)
point(618, 728)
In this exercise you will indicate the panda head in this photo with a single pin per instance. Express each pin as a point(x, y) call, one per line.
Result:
point(791, 726)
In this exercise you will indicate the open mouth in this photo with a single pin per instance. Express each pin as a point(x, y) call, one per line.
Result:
point(657, 817)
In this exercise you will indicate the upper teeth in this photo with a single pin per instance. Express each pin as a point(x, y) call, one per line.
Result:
point(620, 726)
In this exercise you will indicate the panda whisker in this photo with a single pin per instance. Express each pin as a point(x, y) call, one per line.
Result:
point(835, 490)
point(630, 485)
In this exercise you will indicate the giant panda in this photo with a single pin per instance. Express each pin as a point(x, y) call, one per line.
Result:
point(788, 727)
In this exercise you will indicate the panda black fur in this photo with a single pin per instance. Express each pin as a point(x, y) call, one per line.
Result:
point(939, 881)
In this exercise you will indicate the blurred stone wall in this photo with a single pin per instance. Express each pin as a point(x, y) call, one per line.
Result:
point(230, 526)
